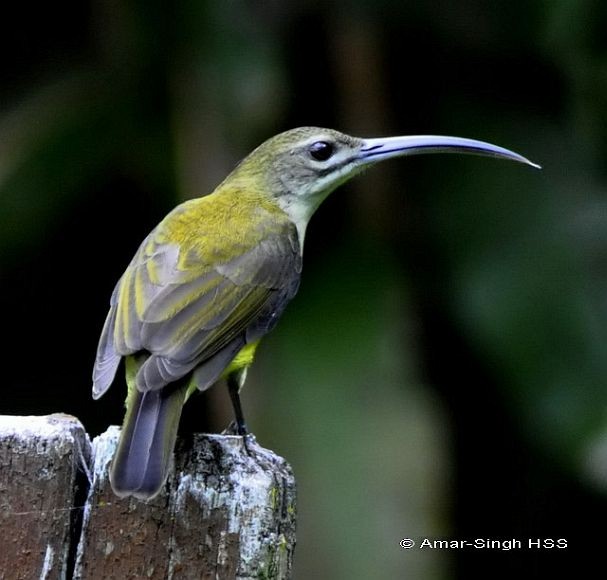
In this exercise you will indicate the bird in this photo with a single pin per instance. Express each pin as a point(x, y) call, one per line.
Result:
point(215, 275)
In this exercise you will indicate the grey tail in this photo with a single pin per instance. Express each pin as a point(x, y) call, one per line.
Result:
point(143, 457)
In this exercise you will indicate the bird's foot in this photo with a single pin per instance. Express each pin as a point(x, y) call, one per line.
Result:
point(235, 428)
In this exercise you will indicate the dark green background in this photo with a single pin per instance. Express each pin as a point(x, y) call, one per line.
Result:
point(442, 371)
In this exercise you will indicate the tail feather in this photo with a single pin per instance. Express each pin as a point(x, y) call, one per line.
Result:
point(142, 460)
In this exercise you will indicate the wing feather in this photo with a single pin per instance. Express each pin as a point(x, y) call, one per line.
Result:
point(186, 302)
point(107, 360)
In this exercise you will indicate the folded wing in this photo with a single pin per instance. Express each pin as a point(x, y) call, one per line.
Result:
point(189, 300)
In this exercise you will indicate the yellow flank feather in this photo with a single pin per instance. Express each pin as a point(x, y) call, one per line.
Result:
point(240, 362)
point(243, 359)
point(131, 366)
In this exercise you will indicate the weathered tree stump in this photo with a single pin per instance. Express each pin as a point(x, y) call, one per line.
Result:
point(223, 514)
point(42, 486)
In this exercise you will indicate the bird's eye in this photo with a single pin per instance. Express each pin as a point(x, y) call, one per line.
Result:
point(321, 150)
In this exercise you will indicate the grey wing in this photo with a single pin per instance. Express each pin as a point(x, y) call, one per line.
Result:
point(199, 317)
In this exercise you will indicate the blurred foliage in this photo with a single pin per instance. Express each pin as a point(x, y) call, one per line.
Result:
point(442, 371)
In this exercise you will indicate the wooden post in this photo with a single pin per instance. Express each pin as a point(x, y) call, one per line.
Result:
point(223, 513)
point(43, 462)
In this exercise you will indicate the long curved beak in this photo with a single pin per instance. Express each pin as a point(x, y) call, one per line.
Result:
point(379, 149)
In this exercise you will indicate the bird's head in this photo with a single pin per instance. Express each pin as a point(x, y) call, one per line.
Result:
point(300, 167)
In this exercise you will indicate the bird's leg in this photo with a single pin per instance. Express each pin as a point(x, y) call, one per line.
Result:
point(234, 388)
point(235, 381)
